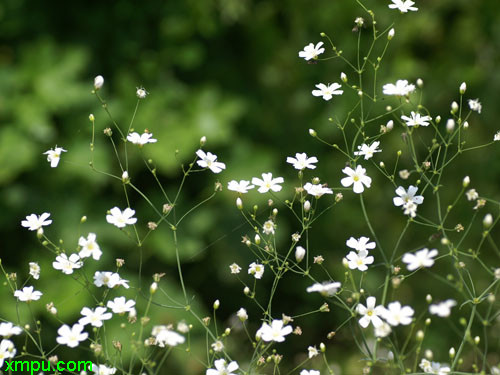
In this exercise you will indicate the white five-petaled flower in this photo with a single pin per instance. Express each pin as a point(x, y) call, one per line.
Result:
point(395, 314)
point(98, 82)
point(141, 139)
point(103, 369)
point(357, 178)
point(54, 156)
point(268, 227)
point(235, 268)
point(312, 351)
point(268, 183)
point(120, 305)
point(164, 336)
point(242, 314)
point(403, 5)
point(359, 260)
point(408, 199)
point(94, 317)
point(317, 190)
point(121, 218)
point(360, 244)
point(34, 222)
point(383, 331)
point(327, 288)
point(141, 93)
point(34, 270)
point(223, 368)
point(7, 350)
point(209, 160)
point(368, 151)
point(8, 329)
point(475, 105)
point(310, 372)
point(311, 51)
point(422, 258)
point(89, 247)
point(327, 91)
point(27, 294)
point(416, 119)
point(401, 88)
point(471, 194)
point(217, 346)
point(255, 269)
point(371, 313)
point(241, 187)
point(71, 336)
point(496, 137)
point(110, 279)
point(442, 309)
point(274, 332)
point(301, 161)
point(435, 368)
point(67, 264)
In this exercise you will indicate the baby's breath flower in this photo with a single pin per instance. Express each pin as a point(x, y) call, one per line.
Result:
point(475, 105)
point(141, 93)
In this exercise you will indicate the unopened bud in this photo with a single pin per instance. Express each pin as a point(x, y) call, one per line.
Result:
point(312, 133)
point(98, 82)
point(450, 125)
point(125, 177)
point(452, 352)
point(322, 347)
point(420, 83)
point(83, 219)
point(307, 206)
point(203, 140)
point(216, 304)
point(246, 290)
point(466, 181)
point(391, 33)
point(390, 125)
point(487, 221)
point(466, 125)
point(420, 335)
point(91, 117)
point(428, 298)
point(257, 239)
point(463, 87)
point(153, 288)
point(239, 203)
point(343, 77)
point(300, 252)
point(454, 107)
point(477, 340)
point(381, 164)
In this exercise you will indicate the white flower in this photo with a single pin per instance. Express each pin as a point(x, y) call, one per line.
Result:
point(301, 161)
point(7, 350)
point(164, 336)
point(274, 332)
point(403, 6)
point(102, 369)
point(28, 294)
point(311, 51)
point(141, 93)
point(360, 244)
point(368, 151)
point(310, 372)
point(120, 306)
point(401, 88)
point(359, 260)
point(141, 139)
point(242, 314)
point(8, 329)
point(383, 331)
point(121, 218)
point(410, 209)
point(312, 351)
point(472, 194)
point(241, 187)
point(268, 183)
point(422, 258)
point(407, 196)
point(371, 313)
point(183, 327)
point(268, 227)
point(34, 270)
point(71, 336)
point(327, 288)
point(442, 309)
point(317, 190)
point(217, 346)
point(416, 119)
point(222, 368)
point(54, 155)
point(395, 314)
point(257, 270)
point(94, 317)
point(89, 247)
point(110, 279)
point(98, 82)
point(496, 137)
point(434, 367)
point(475, 105)
point(209, 160)
point(235, 268)
point(357, 178)
point(34, 222)
point(67, 265)
point(327, 92)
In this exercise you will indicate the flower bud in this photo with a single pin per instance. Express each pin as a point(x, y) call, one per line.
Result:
point(389, 125)
point(466, 181)
point(300, 252)
point(452, 352)
point(381, 164)
point(429, 354)
point(257, 239)
point(307, 206)
point(428, 298)
point(91, 117)
point(477, 339)
point(391, 33)
point(420, 83)
point(463, 87)
point(125, 177)
point(450, 125)
point(487, 221)
point(420, 335)
point(466, 125)
point(242, 314)
point(239, 203)
point(246, 290)
point(216, 304)
point(322, 347)
point(437, 119)
point(98, 82)
point(203, 140)
point(312, 133)
point(345, 262)
point(454, 107)
point(153, 288)
point(343, 77)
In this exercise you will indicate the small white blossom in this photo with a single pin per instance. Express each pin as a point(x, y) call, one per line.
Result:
point(309, 372)
point(141, 139)
point(475, 105)
point(416, 119)
point(422, 258)
point(383, 331)
point(395, 314)
point(54, 156)
point(403, 5)
point(71, 336)
point(67, 264)
point(141, 93)
point(368, 151)
point(235, 268)
point(442, 309)
point(274, 332)
point(327, 91)
point(102, 370)
point(317, 190)
point(8, 329)
point(27, 294)
point(34, 270)
point(357, 178)
point(223, 368)
point(371, 313)
point(164, 336)
point(120, 305)
point(217, 346)
point(301, 161)
point(241, 187)
point(268, 183)
point(434, 367)
point(98, 82)
point(121, 218)
point(209, 160)
point(401, 88)
point(7, 350)
point(472, 194)
point(268, 227)
point(311, 51)
point(359, 260)
point(242, 314)
point(312, 351)
point(360, 244)
point(326, 289)
point(94, 317)
point(255, 269)
point(89, 247)
point(110, 279)
point(496, 137)
point(34, 222)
